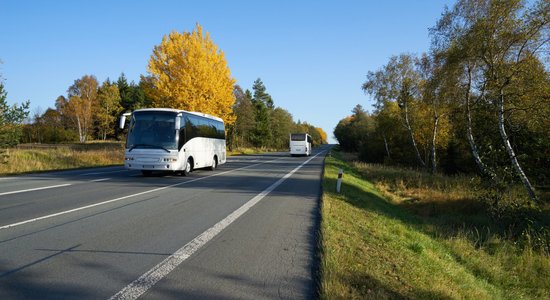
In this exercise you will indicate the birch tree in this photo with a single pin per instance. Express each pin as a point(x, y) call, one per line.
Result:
point(82, 98)
point(513, 34)
point(398, 81)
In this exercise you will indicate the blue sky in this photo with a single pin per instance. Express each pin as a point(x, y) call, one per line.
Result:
point(312, 56)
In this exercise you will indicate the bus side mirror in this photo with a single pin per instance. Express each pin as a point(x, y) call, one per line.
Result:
point(123, 120)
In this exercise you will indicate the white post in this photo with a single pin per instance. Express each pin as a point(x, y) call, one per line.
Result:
point(339, 184)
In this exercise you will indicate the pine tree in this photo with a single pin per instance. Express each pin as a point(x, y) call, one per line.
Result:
point(262, 135)
point(260, 93)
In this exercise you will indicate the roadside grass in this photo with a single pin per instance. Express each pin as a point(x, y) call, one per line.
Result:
point(29, 158)
point(405, 234)
point(245, 151)
point(36, 158)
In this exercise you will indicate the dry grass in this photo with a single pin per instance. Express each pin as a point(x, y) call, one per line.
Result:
point(244, 151)
point(35, 158)
point(28, 158)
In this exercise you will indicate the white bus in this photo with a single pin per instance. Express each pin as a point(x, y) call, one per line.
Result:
point(300, 144)
point(162, 139)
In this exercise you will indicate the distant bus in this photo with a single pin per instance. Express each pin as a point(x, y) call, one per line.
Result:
point(162, 139)
point(300, 144)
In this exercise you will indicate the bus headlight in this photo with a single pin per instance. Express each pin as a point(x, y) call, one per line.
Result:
point(170, 159)
point(128, 158)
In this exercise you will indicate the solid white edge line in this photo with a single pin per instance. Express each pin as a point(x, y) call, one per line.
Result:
point(125, 197)
point(35, 189)
point(139, 286)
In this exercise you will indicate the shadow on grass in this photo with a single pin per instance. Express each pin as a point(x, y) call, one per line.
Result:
point(372, 288)
point(463, 218)
point(484, 215)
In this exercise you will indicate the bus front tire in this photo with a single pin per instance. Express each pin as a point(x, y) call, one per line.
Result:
point(188, 167)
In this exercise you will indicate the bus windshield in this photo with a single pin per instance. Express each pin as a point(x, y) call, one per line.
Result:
point(152, 129)
point(298, 137)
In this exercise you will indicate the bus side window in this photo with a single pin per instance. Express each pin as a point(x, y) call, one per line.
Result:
point(220, 132)
point(190, 127)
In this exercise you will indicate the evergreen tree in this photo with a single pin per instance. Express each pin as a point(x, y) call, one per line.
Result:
point(125, 93)
point(261, 136)
point(260, 93)
point(245, 123)
point(11, 118)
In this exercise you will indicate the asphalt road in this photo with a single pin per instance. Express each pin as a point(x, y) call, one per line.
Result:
point(247, 230)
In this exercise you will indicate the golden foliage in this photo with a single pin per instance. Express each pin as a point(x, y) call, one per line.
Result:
point(323, 135)
point(188, 71)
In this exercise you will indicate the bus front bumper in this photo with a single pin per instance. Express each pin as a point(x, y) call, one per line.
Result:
point(163, 164)
point(151, 167)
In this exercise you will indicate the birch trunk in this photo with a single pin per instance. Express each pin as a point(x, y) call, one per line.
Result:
point(485, 171)
point(434, 160)
point(409, 128)
point(79, 130)
point(386, 145)
point(510, 150)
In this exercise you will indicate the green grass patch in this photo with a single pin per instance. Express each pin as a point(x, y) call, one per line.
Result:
point(374, 246)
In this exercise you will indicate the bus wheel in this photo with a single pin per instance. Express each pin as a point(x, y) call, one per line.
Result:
point(214, 164)
point(146, 172)
point(188, 167)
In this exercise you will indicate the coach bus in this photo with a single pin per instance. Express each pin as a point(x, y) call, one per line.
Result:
point(162, 139)
point(300, 144)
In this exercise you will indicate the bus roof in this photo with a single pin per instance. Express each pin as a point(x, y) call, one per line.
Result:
point(181, 111)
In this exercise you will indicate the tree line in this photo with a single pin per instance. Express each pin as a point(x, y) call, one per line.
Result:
point(262, 125)
point(479, 101)
point(185, 71)
point(91, 110)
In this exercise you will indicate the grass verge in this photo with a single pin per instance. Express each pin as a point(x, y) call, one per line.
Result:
point(28, 158)
point(376, 246)
point(245, 151)
point(36, 158)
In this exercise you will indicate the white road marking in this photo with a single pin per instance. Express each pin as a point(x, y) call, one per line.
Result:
point(124, 197)
point(8, 178)
point(151, 277)
point(98, 180)
point(99, 173)
point(35, 189)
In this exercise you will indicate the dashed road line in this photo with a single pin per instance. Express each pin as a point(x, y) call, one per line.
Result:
point(35, 189)
point(121, 198)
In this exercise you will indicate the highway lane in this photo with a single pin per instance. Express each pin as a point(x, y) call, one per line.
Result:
point(131, 224)
point(28, 197)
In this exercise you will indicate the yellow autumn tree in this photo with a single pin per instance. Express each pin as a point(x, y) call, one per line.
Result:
point(188, 71)
point(323, 135)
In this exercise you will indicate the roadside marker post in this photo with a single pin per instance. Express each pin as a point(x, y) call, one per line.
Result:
point(339, 184)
